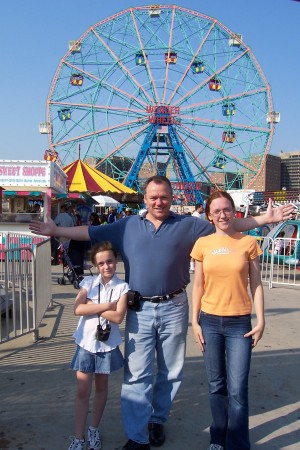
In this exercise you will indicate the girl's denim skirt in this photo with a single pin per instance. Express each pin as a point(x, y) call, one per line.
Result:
point(102, 362)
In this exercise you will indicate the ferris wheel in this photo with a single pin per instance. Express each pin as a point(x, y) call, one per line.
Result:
point(166, 90)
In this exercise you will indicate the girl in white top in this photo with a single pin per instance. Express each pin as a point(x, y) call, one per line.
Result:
point(101, 303)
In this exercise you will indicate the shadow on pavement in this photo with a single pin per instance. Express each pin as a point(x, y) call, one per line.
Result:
point(38, 388)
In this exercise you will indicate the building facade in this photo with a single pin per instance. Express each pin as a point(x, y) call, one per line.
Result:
point(290, 170)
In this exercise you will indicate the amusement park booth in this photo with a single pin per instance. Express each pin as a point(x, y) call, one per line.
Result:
point(28, 188)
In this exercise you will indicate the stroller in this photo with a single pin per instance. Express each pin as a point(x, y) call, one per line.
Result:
point(71, 255)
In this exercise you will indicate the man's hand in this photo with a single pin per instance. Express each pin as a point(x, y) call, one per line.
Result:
point(279, 213)
point(43, 228)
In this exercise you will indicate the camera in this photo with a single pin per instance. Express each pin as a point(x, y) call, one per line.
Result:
point(103, 334)
point(133, 300)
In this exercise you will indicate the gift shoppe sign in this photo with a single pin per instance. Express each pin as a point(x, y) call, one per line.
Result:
point(41, 174)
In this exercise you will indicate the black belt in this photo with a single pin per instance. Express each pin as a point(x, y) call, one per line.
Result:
point(162, 298)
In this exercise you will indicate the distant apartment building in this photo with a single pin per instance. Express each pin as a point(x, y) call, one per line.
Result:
point(269, 178)
point(290, 170)
point(148, 170)
point(223, 179)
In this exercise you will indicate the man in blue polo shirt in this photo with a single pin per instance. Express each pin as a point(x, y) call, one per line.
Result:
point(155, 248)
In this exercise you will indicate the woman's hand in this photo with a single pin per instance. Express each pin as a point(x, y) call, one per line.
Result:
point(256, 334)
point(197, 330)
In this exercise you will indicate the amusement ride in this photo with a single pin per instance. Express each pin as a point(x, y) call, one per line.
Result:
point(166, 90)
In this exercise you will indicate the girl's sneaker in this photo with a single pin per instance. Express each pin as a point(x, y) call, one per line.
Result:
point(76, 444)
point(215, 447)
point(94, 440)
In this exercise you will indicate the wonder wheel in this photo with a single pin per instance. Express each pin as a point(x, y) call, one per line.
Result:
point(167, 90)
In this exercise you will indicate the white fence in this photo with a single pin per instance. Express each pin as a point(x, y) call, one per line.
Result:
point(25, 283)
point(280, 263)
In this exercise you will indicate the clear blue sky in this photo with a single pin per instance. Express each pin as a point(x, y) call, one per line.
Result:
point(34, 37)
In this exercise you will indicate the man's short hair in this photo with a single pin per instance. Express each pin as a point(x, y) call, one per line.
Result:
point(157, 179)
point(198, 205)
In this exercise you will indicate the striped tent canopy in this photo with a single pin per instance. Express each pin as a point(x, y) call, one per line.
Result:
point(84, 178)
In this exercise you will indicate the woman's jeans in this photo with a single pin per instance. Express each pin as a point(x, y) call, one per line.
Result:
point(227, 358)
point(158, 328)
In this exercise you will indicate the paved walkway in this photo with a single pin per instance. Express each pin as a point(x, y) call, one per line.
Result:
point(37, 388)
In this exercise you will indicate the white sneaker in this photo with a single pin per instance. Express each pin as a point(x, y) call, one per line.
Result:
point(215, 447)
point(94, 440)
point(76, 444)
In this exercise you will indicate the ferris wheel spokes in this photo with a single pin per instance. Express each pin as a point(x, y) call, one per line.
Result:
point(130, 76)
point(190, 64)
point(202, 171)
point(145, 58)
point(222, 100)
point(214, 75)
point(106, 85)
point(123, 145)
point(217, 150)
point(168, 60)
point(98, 133)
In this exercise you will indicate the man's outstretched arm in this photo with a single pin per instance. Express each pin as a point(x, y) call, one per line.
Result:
point(272, 215)
point(49, 228)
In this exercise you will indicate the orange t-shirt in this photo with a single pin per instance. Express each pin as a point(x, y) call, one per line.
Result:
point(226, 270)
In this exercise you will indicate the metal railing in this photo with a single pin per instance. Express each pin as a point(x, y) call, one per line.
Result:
point(25, 284)
point(280, 264)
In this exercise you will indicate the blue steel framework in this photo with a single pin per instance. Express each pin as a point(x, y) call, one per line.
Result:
point(170, 88)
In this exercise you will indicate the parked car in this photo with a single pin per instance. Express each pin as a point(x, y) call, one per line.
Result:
point(286, 248)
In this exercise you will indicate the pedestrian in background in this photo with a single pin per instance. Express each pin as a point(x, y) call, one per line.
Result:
point(112, 216)
point(63, 219)
point(71, 211)
point(103, 219)
point(94, 219)
point(128, 212)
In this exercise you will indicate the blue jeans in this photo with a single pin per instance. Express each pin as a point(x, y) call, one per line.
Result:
point(227, 359)
point(159, 328)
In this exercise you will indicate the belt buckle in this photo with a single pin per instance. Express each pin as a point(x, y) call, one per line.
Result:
point(156, 299)
point(160, 298)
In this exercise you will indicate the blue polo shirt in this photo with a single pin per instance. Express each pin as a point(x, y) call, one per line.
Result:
point(156, 261)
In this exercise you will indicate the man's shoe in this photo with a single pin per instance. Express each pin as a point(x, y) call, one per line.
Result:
point(132, 445)
point(156, 434)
